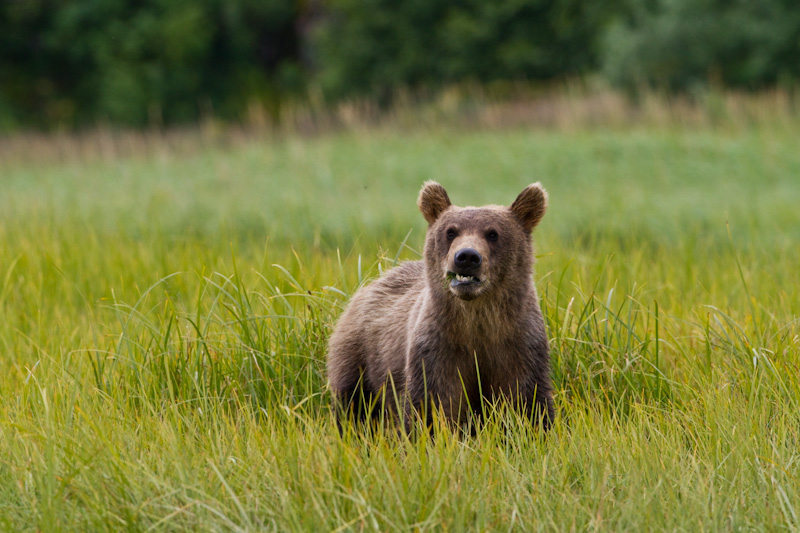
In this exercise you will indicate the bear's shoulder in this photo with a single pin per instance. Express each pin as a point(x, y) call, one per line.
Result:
point(402, 277)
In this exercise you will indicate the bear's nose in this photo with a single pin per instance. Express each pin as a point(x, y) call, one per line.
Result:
point(467, 260)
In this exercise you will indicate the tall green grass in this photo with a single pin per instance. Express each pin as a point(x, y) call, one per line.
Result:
point(165, 315)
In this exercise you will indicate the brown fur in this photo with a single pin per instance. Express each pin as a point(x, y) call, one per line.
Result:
point(432, 340)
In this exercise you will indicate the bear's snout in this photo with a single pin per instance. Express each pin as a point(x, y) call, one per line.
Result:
point(468, 261)
point(466, 272)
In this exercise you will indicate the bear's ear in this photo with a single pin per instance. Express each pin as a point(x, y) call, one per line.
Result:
point(432, 201)
point(530, 205)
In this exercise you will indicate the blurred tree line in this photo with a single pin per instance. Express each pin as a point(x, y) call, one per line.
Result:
point(139, 62)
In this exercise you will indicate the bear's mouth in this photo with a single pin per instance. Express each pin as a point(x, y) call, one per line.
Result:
point(461, 280)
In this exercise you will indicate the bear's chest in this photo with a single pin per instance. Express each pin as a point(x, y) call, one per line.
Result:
point(480, 368)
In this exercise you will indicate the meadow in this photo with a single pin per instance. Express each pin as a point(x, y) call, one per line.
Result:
point(165, 306)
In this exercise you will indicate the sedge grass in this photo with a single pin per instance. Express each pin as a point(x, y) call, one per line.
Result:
point(165, 315)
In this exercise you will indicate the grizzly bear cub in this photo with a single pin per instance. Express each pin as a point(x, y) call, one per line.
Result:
point(458, 327)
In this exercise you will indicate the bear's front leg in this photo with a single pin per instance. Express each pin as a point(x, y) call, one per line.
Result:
point(537, 386)
point(418, 400)
point(539, 407)
point(440, 377)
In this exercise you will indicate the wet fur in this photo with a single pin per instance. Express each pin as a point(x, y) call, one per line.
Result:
point(407, 333)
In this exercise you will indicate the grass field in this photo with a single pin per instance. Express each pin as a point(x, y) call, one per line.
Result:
point(164, 316)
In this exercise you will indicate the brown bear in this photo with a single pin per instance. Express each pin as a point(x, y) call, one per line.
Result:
point(461, 326)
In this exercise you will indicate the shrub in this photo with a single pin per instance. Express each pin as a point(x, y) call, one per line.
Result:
point(373, 47)
point(684, 44)
point(138, 63)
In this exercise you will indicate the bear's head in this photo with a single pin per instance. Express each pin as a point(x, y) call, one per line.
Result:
point(474, 251)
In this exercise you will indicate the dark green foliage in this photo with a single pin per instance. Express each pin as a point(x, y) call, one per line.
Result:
point(372, 47)
point(73, 63)
point(683, 44)
point(77, 61)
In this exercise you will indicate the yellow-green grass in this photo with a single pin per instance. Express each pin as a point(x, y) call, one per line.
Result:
point(164, 315)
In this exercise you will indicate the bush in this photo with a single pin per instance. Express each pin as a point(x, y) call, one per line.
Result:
point(684, 44)
point(158, 60)
point(373, 47)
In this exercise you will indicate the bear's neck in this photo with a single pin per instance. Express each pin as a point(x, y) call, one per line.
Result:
point(488, 319)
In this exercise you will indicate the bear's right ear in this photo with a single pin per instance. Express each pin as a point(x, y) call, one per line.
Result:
point(432, 201)
point(530, 205)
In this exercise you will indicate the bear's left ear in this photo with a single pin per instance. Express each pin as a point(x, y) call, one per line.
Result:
point(432, 201)
point(530, 205)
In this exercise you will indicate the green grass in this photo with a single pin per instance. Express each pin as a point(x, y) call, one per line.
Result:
point(164, 315)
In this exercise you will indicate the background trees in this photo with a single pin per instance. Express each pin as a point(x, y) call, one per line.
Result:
point(137, 62)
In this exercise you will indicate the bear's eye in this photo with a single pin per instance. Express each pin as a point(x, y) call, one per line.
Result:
point(491, 236)
point(451, 234)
